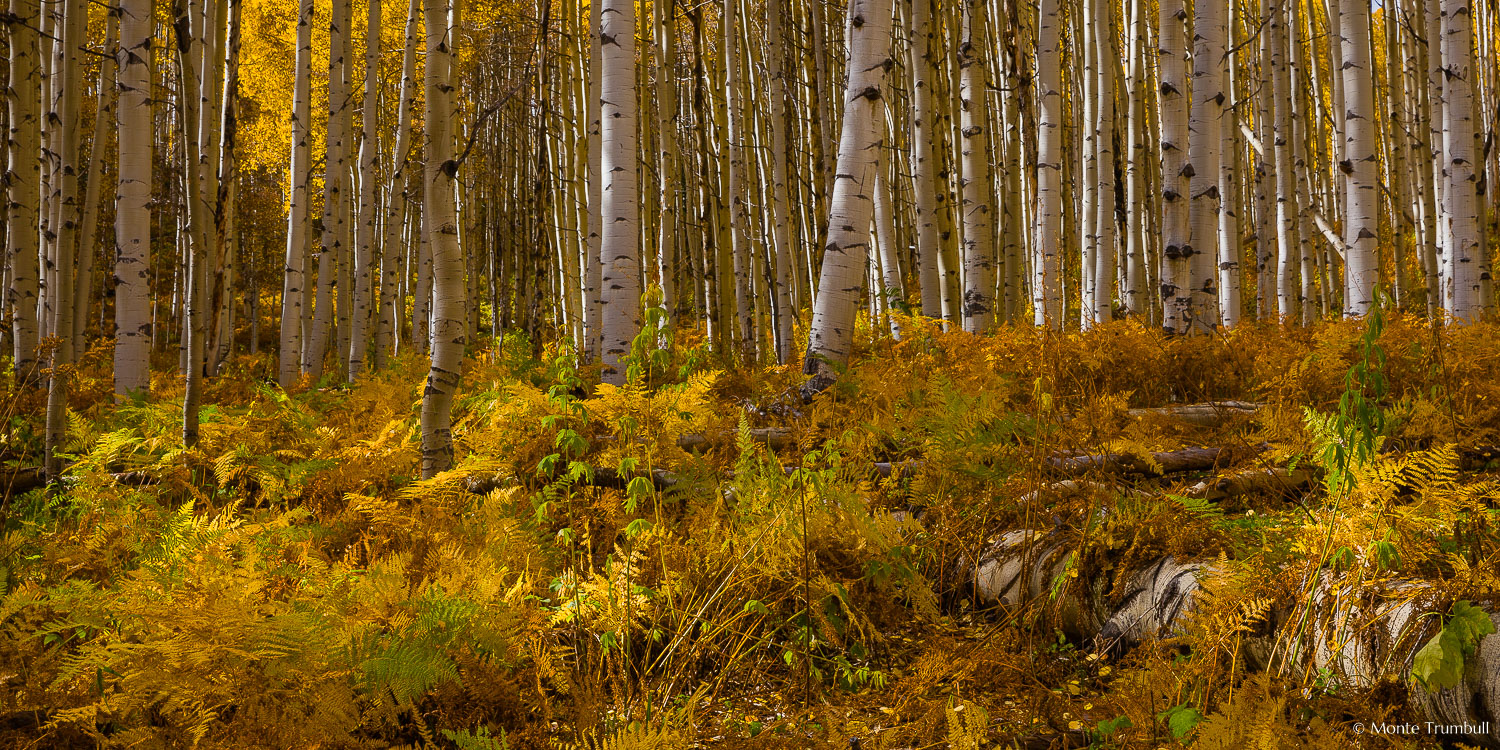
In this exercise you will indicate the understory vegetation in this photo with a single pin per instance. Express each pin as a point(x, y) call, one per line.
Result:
point(698, 557)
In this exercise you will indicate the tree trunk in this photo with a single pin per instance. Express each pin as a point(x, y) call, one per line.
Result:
point(1361, 161)
point(979, 232)
point(295, 279)
point(846, 256)
point(620, 286)
point(133, 202)
point(388, 327)
point(366, 243)
point(1461, 198)
point(440, 224)
point(1046, 285)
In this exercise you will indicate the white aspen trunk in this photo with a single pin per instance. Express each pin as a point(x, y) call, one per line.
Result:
point(885, 238)
point(784, 288)
point(1133, 295)
point(1361, 161)
point(924, 186)
point(366, 243)
point(294, 280)
point(619, 286)
point(1459, 163)
point(1104, 157)
point(133, 201)
point(74, 36)
point(1176, 294)
point(335, 176)
point(670, 158)
point(1286, 194)
point(440, 225)
point(1206, 114)
point(388, 326)
point(23, 177)
point(1046, 285)
point(845, 258)
point(739, 241)
point(104, 124)
point(593, 327)
point(1228, 267)
point(979, 230)
point(189, 57)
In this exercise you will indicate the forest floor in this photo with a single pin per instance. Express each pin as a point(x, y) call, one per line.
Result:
point(700, 559)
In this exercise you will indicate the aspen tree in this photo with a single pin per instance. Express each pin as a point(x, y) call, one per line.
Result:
point(294, 279)
point(388, 325)
point(1463, 253)
point(784, 283)
point(133, 330)
point(74, 32)
point(978, 216)
point(23, 174)
point(620, 290)
point(1201, 252)
point(1046, 286)
point(924, 187)
point(845, 257)
point(104, 124)
point(739, 242)
point(1360, 162)
point(593, 323)
point(335, 242)
point(1287, 229)
point(440, 225)
point(1137, 205)
point(1228, 265)
point(1176, 293)
point(366, 243)
point(1103, 156)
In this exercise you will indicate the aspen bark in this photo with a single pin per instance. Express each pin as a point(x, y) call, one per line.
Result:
point(388, 325)
point(440, 225)
point(1206, 114)
point(978, 215)
point(294, 278)
point(845, 257)
point(619, 286)
point(366, 242)
point(1463, 253)
point(1176, 269)
point(1360, 163)
point(23, 175)
point(1046, 285)
point(133, 331)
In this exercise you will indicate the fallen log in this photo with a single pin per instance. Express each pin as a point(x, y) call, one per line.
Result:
point(1205, 414)
point(773, 437)
point(1357, 635)
point(21, 479)
point(1252, 481)
point(1160, 464)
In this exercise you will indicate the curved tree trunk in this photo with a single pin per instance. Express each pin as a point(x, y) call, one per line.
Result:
point(846, 257)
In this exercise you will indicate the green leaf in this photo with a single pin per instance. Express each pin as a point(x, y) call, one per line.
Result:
point(1439, 664)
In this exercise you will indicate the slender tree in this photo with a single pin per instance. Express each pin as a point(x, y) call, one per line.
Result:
point(133, 330)
point(294, 280)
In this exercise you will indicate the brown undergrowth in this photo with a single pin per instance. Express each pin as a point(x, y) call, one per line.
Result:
point(289, 583)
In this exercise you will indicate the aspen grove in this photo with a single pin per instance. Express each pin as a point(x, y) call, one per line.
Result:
point(784, 373)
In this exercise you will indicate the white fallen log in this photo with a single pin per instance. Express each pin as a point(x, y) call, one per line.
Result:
point(1206, 414)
